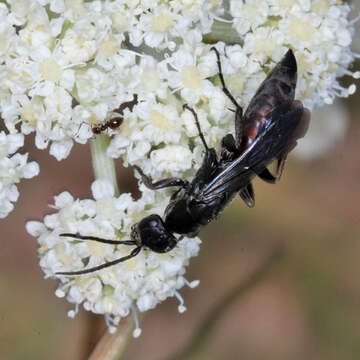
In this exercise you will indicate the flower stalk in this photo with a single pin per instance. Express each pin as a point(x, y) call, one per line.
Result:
point(103, 165)
point(112, 346)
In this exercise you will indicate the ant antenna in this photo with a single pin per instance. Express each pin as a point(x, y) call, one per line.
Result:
point(128, 104)
point(133, 253)
point(186, 106)
point(78, 130)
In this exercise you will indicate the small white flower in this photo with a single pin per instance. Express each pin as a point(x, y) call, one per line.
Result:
point(79, 43)
point(248, 15)
point(102, 189)
point(175, 159)
point(190, 77)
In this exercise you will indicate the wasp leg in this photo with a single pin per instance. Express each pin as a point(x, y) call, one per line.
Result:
point(247, 194)
point(239, 120)
point(297, 110)
point(224, 88)
point(228, 149)
point(280, 167)
point(161, 183)
point(239, 109)
point(267, 176)
point(186, 106)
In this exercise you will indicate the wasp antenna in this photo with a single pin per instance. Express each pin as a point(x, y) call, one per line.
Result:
point(94, 238)
point(103, 266)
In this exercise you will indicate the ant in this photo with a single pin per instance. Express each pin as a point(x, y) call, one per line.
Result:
point(268, 131)
point(115, 122)
point(112, 123)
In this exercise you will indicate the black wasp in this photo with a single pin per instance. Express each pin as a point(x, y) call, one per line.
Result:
point(269, 130)
point(115, 122)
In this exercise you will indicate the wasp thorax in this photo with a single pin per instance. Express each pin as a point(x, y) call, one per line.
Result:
point(151, 232)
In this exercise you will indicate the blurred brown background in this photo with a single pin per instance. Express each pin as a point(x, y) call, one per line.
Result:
point(305, 306)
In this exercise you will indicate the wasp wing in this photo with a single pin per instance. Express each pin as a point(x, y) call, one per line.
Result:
point(284, 126)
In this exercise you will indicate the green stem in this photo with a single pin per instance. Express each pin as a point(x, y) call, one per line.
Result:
point(103, 165)
point(222, 31)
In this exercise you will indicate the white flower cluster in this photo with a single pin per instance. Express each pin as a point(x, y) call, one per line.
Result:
point(318, 31)
point(67, 63)
point(13, 167)
point(137, 284)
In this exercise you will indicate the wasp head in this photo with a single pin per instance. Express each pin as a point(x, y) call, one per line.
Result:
point(151, 232)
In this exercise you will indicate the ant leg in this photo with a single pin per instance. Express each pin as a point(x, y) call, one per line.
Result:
point(161, 183)
point(239, 109)
point(96, 268)
point(186, 106)
point(78, 130)
point(94, 238)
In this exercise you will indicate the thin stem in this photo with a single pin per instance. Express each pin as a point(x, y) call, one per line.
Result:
point(200, 341)
point(112, 346)
point(103, 165)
